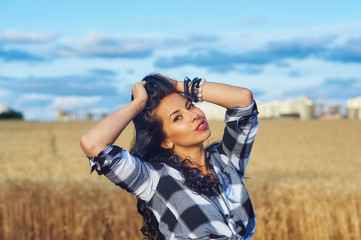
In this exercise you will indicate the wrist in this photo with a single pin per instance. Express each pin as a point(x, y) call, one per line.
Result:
point(179, 86)
point(193, 89)
point(140, 103)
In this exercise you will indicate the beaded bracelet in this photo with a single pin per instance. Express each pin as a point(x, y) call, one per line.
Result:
point(200, 89)
point(193, 89)
point(186, 88)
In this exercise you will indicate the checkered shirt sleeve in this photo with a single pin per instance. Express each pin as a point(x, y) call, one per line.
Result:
point(239, 134)
point(126, 171)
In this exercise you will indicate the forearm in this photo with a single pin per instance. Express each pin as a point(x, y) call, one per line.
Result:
point(108, 129)
point(222, 94)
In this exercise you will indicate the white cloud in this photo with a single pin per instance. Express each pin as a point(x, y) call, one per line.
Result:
point(72, 102)
point(95, 44)
point(14, 36)
point(36, 97)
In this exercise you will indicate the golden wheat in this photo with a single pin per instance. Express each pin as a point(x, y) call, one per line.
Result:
point(303, 180)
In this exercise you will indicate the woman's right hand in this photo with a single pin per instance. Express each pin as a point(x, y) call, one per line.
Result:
point(140, 94)
point(107, 130)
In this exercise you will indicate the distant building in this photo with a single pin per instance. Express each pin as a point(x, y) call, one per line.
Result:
point(66, 116)
point(269, 110)
point(354, 108)
point(331, 112)
point(331, 116)
point(334, 108)
point(301, 107)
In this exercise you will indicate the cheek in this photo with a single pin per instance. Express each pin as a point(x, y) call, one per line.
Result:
point(177, 131)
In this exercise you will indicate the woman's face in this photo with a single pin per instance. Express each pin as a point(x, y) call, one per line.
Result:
point(183, 124)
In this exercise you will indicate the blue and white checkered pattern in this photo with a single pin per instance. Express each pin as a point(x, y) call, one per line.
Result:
point(182, 213)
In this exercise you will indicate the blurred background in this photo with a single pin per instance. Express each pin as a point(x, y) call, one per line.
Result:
point(80, 58)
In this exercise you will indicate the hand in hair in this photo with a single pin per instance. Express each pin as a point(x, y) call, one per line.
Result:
point(108, 129)
point(140, 94)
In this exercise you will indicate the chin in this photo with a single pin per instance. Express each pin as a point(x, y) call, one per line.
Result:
point(208, 135)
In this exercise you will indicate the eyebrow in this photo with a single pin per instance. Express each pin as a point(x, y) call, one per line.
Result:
point(173, 113)
point(186, 105)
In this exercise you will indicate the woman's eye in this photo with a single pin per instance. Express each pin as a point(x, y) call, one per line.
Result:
point(177, 118)
point(190, 106)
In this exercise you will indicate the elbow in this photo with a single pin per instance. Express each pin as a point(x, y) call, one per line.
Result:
point(250, 96)
point(247, 97)
point(86, 146)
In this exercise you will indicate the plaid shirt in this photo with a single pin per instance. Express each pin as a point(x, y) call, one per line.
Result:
point(182, 213)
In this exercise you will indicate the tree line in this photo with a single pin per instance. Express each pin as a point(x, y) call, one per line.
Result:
point(11, 114)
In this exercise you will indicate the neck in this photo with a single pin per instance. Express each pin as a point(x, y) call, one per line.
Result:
point(196, 156)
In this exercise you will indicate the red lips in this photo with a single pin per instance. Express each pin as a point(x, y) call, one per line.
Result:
point(201, 126)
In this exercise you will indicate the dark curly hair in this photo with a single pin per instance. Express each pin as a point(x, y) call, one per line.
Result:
point(147, 147)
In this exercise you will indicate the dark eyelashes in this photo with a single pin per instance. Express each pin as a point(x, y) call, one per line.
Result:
point(189, 105)
point(176, 118)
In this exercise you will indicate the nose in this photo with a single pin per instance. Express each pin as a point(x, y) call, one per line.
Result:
point(193, 115)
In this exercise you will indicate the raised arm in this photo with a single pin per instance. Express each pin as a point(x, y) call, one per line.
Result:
point(108, 129)
point(224, 95)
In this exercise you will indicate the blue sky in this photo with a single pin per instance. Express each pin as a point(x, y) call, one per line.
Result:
point(86, 55)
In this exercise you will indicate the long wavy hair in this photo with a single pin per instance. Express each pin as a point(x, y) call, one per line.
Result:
point(146, 146)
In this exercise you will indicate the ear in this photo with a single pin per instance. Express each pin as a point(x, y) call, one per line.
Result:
point(166, 144)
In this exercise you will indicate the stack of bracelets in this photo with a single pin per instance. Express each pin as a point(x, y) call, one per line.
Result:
point(193, 89)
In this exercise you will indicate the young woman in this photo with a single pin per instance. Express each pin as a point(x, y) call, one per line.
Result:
point(184, 191)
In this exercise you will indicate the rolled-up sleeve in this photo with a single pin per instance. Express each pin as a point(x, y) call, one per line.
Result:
point(239, 134)
point(126, 171)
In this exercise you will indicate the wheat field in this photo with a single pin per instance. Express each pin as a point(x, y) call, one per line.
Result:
point(303, 177)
